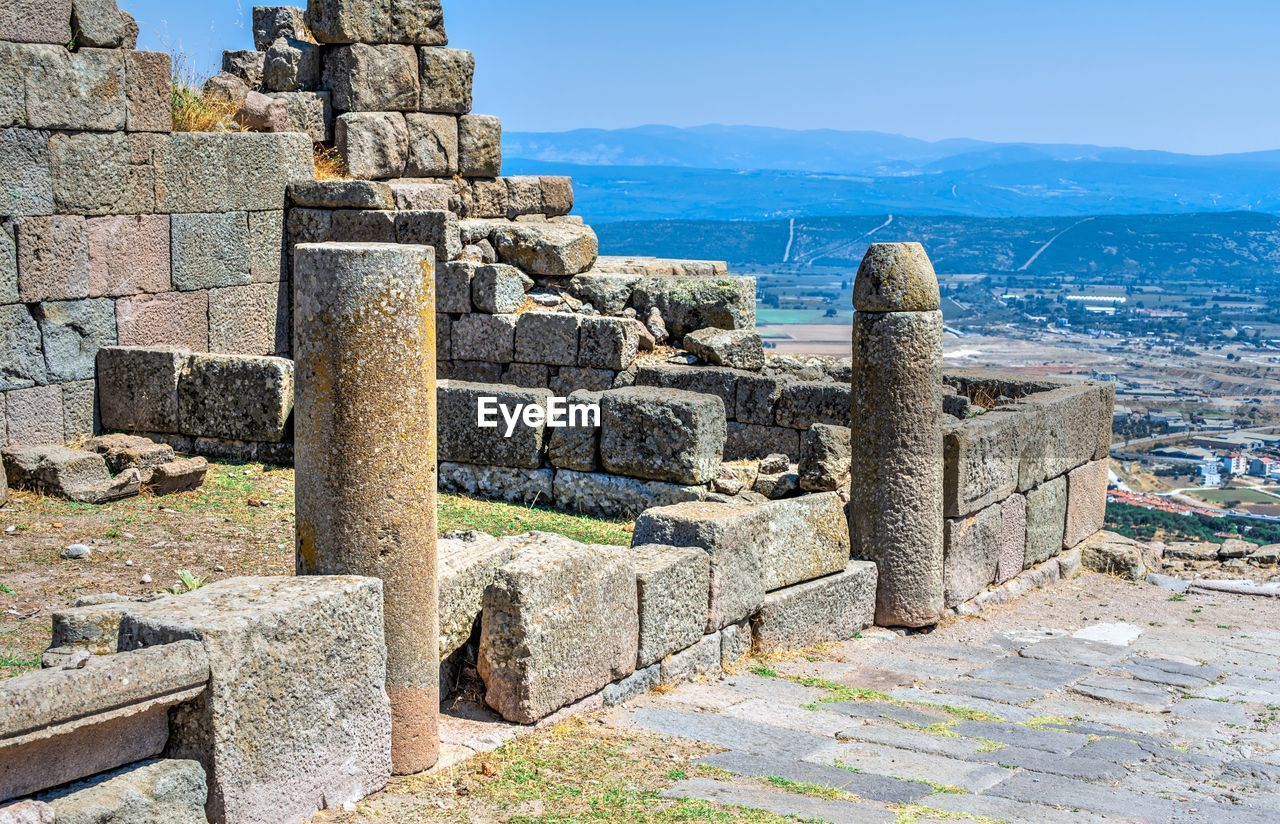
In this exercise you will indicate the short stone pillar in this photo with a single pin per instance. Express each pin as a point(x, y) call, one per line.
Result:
point(365, 455)
point(896, 507)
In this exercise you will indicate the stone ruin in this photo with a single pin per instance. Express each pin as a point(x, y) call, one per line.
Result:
point(160, 285)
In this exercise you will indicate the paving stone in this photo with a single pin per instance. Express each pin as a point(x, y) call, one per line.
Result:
point(731, 733)
point(1071, 794)
point(1003, 809)
point(995, 708)
point(892, 735)
point(1113, 750)
point(1117, 634)
point(872, 787)
point(1074, 651)
point(1048, 740)
point(1032, 672)
point(1140, 669)
point(989, 690)
point(1218, 712)
point(883, 711)
point(1124, 691)
point(755, 796)
point(913, 765)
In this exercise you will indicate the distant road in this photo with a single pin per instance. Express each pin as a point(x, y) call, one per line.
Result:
point(1045, 247)
point(791, 238)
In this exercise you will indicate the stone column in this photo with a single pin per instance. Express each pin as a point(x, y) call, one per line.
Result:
point(365, 455)
point(896, 506)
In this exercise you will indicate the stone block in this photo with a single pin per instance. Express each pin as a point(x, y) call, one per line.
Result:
point(453, 286)
point(342, 194)
point(22, 356)
point(53, 258)
point(804, 403)
point(128, 254)
point(268, 262)
point(34, 416)
point(499, 289)
point(1113, 554)
point(191, 173)
point(1086, 502)
point(261, 167)
point(608, 343)
point(165, 319)
point(249, 320)
point(268, 760)
point(547, 337)
point(291, 66)
point(462, 439)
point(372, 145)
point(569, 379)
point(475, 371)
point(1046, 521)
point(28, 189)
point(557, 195)
point(690, 303)
point(511, 485)
point(701, 660)
point(607, 293)
point(600, 495)
point(79, 410)
point(183, 475)
point(363, 226)
point(67, 473)
point(540, 651)
point(738, 349)
point(103, 173)
point(468, 564)
point(749, 441)
point(834, 608)
point(28, 811)
point(662, 435)
point(547, 249)
point(138, 388)
point(479, 146)
point(236, 397)
point(8, 263)
point(433, 145)
point(210, 250)
point(365, 78)
point(672, 585)
point(246, 65)
point(633, 686)
point(735, 644)
point(437, 229)
point(1067, 431)
point(270, 23)
point(445, 79)
point(29, 21)
point(718, 381)
point(415, 195)
point(415, 22)
point(825, 458)
point(72, 332)
point(166, 791)
point(81, 90)
point(981, 461)
point(310, 113)
point(1013, 537)
point(123, 452)
point(98, 23)
point(532, 375)
point(524, 196)
point(308, 226)
point(577, 446)
point(971, 552)
point(148, 92)
point(484, 337)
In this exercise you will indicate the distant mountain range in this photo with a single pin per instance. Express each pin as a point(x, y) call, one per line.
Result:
point(754, 173)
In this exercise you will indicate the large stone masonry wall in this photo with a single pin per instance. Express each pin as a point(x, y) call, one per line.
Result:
point(113, 229)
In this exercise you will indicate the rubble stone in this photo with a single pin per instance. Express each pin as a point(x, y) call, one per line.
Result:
point(825, 458)
point(270, 23)
point(67, 473)
point(721, 347)
point(246, 65)
point(164, 791)
point(690, 303)
point(291, 66)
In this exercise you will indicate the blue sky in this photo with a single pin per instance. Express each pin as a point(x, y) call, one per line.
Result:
point(1165, 74)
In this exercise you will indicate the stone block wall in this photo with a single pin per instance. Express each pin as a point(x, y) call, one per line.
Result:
point(113, 228)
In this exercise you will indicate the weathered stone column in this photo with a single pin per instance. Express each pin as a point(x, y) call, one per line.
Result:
point(365, 455)
point(897, 431)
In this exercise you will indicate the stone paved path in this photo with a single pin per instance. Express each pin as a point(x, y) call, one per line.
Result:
point(1092, 700)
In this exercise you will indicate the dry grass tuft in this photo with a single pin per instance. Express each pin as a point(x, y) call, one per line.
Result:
point(193, 110)
point(329, 164)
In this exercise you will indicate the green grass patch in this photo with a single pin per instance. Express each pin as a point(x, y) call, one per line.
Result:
point(812, 790)
point(456, 512)
point(11, 665)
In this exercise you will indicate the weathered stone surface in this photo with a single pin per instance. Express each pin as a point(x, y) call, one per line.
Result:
point(166, 319)
point(420, 195)
point(291, 66)
point(148, 91)
point(236, 397)
point(735, 477)
point(123, 452)
point(445, 78)
point(499, 289)
point(363, 226)
point(1013, 537)
point(468, 564)
point(825, 458)
point(1046, 520)
point(433, 145)
point(24, 155)
point(437, 229)
point(635, 684)
point(74, 90)
point(29, 811)
point(1114, 554)
point(557, 195)
point(706, 380)
point(747, 441)
point(484, 337)
point(308, 112)
point(28, 21)
point(577, 446)
point(971, 553)
point(249, 320)
point(365, 78)
point(415, 22)
point(268, 261)
point(8, 263)
point(72, 332)
point(897, 475)
point(97, 23)
point(896, 277)
point(1070, 420)
point(270, 23)
point(672, 588)
point(261, 167)
point(79, 410)
point(226, 88)
point(149, 792)
point(548, 249)
point(569, 379)
point(547, 337)
point(735, 645)
point(981, 456)
point(804, 403)
point(690, 303)
point(479, 146)
point(608, 293)
point(67, 473)
point(700, 660)
point(53, 258)
point(373, 145)
point(128, 254)
point(210, 250)
point(138, 388)
point(1086, 502)
point(662, 435)
point(97, 173)
point(453, 286)
point(540, 651)
point(608, 343)
point(488, 199)
point(34, 415)
point(22, 356)
point(246, 64)
point(834, 608)
point(601, 495)
point(461, 438)
point(267, 760)
point(524, 196)
point(511, 485)
point(738, 349)
point(777, 485)
point(1234, 548)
